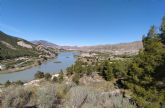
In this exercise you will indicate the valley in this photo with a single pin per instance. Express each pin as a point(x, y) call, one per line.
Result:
point(82, 53)
point(18, 54)
point(91, 76)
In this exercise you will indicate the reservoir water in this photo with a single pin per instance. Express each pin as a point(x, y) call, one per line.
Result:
point(61, 62)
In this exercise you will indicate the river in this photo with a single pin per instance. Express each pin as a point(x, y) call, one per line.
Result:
point(66, 59)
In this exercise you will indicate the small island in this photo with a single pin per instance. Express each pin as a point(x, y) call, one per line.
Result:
point(57, 62)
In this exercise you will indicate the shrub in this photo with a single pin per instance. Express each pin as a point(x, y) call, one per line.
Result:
point(16, 97)
point(39, 75)
point(47, 76)
point(39, 62)
point(19, 82)
point(86, 97)
point(76, 78)
point(7, 83)
point(55, 79)
point(61, 77)
point(120, 102)
point(77, 96)
point(47, 97)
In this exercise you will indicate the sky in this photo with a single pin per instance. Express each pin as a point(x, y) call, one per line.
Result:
point(80, 22)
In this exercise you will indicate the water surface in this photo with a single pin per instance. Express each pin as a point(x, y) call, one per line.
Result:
point(66, 59)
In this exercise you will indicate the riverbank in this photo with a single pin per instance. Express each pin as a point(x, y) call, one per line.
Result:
point(48, 66)
point(34, 63)
point(17, 69)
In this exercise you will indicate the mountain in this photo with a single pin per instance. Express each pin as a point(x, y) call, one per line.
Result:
point(117, 49)
point(12, 47)
point(45, 43)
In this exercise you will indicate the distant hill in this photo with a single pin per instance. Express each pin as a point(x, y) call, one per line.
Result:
point(45, 43)
point(12, 47)
point(117, 49)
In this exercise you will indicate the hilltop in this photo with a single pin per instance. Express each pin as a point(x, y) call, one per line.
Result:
point(116, 49)
point(45, 43)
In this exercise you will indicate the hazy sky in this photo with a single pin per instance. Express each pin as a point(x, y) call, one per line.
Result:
point(80, 22)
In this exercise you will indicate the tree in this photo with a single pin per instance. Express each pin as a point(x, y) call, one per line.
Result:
point(120, 68)
point(107, 71)
point(152, 42)
point(147, 69)
point(152, 32)
point(162, 29)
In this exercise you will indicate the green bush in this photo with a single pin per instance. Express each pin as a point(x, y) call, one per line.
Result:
point(19, 82)
point(107, 71)
point(48, 76)
point(39, 75)
point(8, 83)
point(55, 79)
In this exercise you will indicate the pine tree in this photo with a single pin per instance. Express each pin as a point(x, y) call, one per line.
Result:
point(107, 71)
point(152, 32)
point(162, 30)
point(162, 27)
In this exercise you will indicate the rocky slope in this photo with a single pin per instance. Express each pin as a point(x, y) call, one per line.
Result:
point(45, 44)
point(13, 47)
point(116, 49)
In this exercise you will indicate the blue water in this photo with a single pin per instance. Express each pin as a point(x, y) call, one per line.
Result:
point(66, 59)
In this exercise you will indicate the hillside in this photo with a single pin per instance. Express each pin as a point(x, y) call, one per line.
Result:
point(45, 43)
point(117, 49)
point(12, 47)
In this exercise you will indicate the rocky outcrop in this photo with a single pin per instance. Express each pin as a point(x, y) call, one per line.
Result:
point(48, 52)
point(23, 44)
point(46, 44)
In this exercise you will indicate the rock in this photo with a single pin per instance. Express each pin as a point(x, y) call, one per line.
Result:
point(23, 44)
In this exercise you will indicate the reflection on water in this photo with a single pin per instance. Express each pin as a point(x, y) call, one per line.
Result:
point(66, 59)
